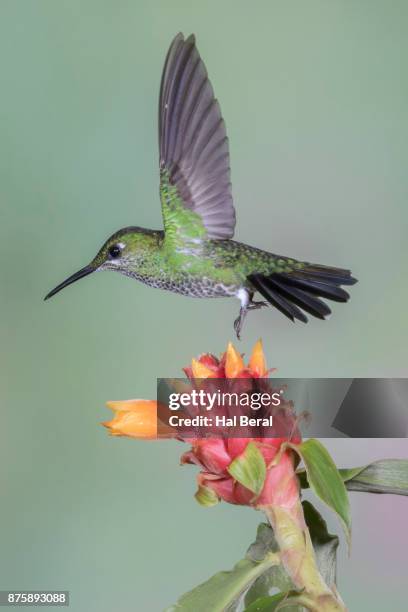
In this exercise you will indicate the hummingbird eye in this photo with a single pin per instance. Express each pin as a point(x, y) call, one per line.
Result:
point(114, 251)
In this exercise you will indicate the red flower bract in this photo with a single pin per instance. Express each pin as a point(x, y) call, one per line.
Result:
point(280, 487)
point(256, 471)
point(215, 457)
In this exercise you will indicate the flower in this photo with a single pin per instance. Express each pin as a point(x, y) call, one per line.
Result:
point(133, 418)
point(228, 465)
point(256, 471)
point(230, 365)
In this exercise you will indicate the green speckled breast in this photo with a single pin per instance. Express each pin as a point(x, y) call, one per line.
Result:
point(213, 268)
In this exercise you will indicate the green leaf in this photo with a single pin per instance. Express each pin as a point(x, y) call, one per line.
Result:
point(224, 589)
point(274, 578)
point(325, 480)
point(346, 475)
point(221, 590)
point(249, 468)
point(292, 601)
point(266, 604)
point(387, 476)
point(265, 543)
point(350, 473)
point(297, 601)
point(384, 476)
point(324, 543)
point(206, 496)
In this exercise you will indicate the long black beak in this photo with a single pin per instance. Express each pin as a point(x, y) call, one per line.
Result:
point(71, 279)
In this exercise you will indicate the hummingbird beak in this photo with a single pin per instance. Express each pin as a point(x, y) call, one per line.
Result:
point(71, 279)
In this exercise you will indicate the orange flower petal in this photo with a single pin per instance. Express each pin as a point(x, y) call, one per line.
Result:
point(234, 364)
point(257, 362)
point(133, 418)
point(200, 370)
point(130, 405)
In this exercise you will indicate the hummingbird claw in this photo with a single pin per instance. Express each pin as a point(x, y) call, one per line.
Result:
point(239, 321)
point(237, 327)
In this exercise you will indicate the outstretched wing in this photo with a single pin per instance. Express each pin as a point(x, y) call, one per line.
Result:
point(195, 186)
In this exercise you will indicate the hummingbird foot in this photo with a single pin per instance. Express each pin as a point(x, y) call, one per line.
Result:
point(247, 303)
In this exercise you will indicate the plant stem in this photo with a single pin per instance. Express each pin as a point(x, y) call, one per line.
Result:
point(299, 560)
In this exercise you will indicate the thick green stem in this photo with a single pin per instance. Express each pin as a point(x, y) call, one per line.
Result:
point(299, 560)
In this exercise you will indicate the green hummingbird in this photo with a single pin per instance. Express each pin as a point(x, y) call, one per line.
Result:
point(195, 255)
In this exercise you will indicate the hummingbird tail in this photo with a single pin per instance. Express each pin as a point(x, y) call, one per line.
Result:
point(301, 290)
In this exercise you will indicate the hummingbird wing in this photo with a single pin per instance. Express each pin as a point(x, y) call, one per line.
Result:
point(195, 187)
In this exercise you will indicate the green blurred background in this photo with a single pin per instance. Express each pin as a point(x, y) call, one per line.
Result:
point(315, 99)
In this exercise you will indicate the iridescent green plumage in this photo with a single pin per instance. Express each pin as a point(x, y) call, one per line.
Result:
point(195, 254)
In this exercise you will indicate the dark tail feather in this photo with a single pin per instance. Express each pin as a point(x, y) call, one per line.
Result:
point(320, 288)
point(305, 300)
point(262, 284)
point(323, 274)
point(301, 289)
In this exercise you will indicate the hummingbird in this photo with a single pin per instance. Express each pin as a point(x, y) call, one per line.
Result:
point(195, 255)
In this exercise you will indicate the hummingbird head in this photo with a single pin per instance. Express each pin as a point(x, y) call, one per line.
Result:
point(122, 252)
